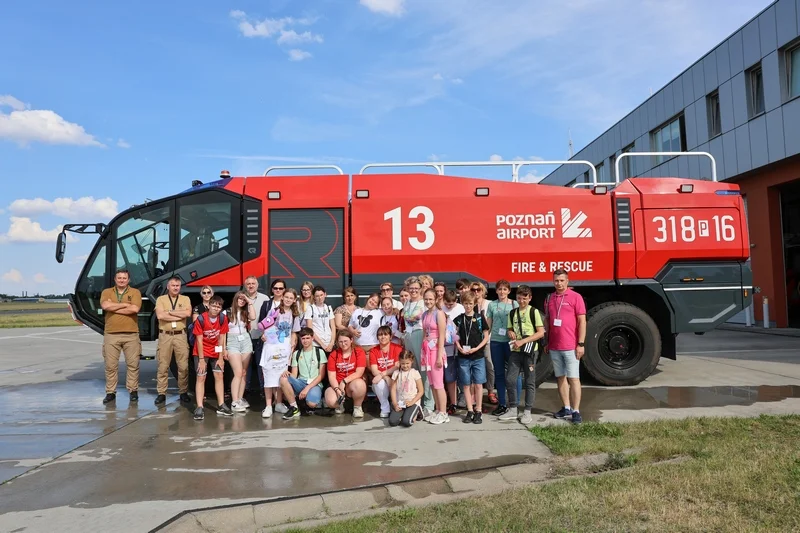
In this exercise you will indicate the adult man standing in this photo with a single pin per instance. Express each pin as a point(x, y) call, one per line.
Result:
point(566, 333)
point(172, 310)
point(121, 305)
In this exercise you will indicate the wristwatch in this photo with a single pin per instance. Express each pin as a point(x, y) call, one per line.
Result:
point(581, 344)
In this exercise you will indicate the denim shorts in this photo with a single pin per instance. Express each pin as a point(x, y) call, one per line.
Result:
point(234, 345)
point(314, 396)
point(565, 363)
point(471, 371)
point(451, 372)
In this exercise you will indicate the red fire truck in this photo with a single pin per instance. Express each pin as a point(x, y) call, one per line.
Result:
point(652, 257)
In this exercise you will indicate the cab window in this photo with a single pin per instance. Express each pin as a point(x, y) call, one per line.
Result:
point(205, 223)
point(143, 244)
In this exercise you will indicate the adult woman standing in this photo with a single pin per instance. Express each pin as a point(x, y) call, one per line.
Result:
point(343, 313)
point(206, 293)
point(240, 347)
point(280, 329)
point(412, 318)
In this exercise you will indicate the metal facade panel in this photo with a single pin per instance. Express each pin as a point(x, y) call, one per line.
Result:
point(768, 31)
point(743, 158)
point(751, 44)
point(772, 81)
point(677, 95)
point(699, 81)
point(739, 99)
point(616, 138)
point(715, 148)
point(729, 154)
point(688, 88)
point(661, 114)
point(710, 71)
point(759, 152)
point(691, 127)
point(726, 106)
point(702, 120)
point(651, 122)
point(735, 53)
point(672, 167)
point(683, 166)
point(642, 145)
point(791, 127)
point(669, 100)
point(635, 129)
point(786, 20)
point(723, 63)
point(775, 142)
point(704, 165)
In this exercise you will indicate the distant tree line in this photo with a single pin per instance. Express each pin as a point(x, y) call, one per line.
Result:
point(45, 296)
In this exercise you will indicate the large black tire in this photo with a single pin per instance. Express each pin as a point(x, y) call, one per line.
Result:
point(544, 369)
point(623, 344)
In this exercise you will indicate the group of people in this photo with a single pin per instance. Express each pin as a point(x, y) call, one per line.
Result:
point(419, 354)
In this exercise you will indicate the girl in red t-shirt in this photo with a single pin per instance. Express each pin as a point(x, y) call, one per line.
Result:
point(383, 361)
point(346, 366)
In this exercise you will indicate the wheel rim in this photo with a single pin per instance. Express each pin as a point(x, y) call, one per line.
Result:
point(621, 346)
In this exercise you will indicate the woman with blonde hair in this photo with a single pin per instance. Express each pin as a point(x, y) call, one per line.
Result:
point(412, 340)
point(240, 347)
point(206, 293)
point(425, 282)
point(306, 297)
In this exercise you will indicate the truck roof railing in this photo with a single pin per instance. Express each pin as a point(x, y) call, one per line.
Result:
point(515, 166)
point(631, 154)
point(303, 167)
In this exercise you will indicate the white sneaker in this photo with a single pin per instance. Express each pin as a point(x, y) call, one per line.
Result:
point(237, 407)
point(436, 418)
point(511, 414)
point(358, 412)
point(427, 414)
point(445, 417)
point(526, 419)
point(267, 412)
point(281, 408)
point(385, 415)
point(340, 409)
point(244, 403)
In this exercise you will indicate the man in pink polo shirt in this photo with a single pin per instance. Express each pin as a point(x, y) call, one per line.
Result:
point(566, 333)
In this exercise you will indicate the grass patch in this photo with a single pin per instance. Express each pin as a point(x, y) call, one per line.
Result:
point(744, 475)
point(10, 307)
point(36, 320)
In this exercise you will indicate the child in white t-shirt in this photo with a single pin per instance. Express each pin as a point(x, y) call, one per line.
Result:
point(406, 392)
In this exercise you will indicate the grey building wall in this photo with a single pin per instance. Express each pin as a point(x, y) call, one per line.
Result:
point(746, 142)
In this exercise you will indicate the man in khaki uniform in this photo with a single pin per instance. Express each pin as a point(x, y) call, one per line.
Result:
point(121, 305)
point(172, 310)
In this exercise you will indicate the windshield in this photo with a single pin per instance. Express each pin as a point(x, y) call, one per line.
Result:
point(143, 244)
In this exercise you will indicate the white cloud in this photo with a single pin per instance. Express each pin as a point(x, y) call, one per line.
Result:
point(438, 76)
point(122, 143)
point(393, 8)
point(84, 207)
point(456, 81)
point(437, 157)
point(41, 279)
point(495, 157)
point(532, 177)
point(23, 229)
point(13, 275)
point(295, 54)
point(292, 37)
point(25, 126)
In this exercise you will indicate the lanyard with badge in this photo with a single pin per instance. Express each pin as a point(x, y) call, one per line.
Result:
point(557, 319)
point(502, 331)
point(174, 305)
point(401, 402)
point(120, 296)
point(467, 331)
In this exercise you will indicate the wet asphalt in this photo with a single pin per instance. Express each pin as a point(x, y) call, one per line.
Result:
point(66, 459)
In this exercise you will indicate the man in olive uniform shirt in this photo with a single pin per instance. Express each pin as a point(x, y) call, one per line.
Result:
point(172, 310)
point(121, 305)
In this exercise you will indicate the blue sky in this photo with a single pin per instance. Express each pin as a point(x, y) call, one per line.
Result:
point(104, 103)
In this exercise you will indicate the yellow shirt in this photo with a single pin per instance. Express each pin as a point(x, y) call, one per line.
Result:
point(117, 322)
point(165, 302)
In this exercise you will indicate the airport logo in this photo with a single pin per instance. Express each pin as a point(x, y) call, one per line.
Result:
point(571, 227)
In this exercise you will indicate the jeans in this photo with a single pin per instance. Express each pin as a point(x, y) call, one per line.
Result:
point(314, 396)
point(521, 361)
point(501, 353)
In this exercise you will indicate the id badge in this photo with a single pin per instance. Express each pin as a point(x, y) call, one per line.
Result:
point(218, 349)
point(240, 338)
point(432, 344)
point(557, 322)
point(501, 331)
point(174, 325)
point(467, 348)
point(401, 404)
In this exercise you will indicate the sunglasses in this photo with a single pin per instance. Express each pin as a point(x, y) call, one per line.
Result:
point(386, 289)
point(476, 289)
point(206, 292)
point(278, 288)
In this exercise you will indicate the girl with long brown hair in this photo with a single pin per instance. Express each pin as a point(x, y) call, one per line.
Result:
point(240, 347)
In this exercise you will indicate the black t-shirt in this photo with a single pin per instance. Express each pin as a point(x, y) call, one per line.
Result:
point(470, 332)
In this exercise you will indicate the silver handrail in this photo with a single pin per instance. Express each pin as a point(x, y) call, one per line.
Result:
point(302, 167)
point(631, 154)
point(515, 166)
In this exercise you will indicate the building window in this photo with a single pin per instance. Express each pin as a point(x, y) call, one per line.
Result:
point(755, 91)
point(628, 166)
point(714, 120)
point(793, 71)
point(669, 138)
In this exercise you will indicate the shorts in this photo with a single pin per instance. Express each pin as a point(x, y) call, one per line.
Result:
point(234, 345)
point(471, 371)
point(451, 372)
point(314, 396)
point(211, 364)
point(436, 377)
point(565, 363)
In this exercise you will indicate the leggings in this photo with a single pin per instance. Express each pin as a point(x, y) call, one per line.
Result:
point(405, 417)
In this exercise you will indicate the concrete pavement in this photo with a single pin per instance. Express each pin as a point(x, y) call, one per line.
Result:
point(85, 466)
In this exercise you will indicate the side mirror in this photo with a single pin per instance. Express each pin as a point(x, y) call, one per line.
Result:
point(61, 246)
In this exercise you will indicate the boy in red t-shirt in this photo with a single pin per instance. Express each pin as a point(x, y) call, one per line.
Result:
point(346, 366)
point(211, 331)
point(384, 360)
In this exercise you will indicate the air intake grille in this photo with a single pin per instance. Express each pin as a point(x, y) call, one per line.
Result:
point(624, 225)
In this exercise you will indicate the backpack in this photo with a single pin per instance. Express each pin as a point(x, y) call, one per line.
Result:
point(316, 356)
point(529, 347)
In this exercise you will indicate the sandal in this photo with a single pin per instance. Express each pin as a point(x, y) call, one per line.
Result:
point(493, 398)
